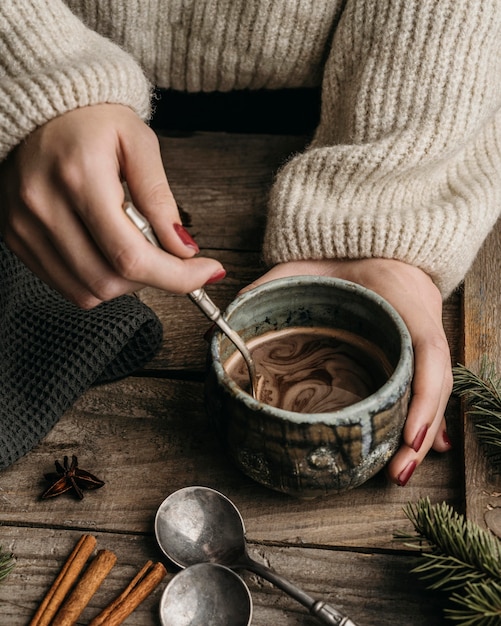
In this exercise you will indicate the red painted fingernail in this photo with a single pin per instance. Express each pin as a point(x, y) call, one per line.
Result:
point(405, 474)
point(446, 439)
point(219, 275)
point(185, 237)
point(419, 438)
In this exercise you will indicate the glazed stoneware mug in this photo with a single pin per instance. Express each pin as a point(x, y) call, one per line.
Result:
point(334, 362)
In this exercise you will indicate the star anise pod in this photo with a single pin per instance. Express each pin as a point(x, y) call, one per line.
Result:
point(69, 477)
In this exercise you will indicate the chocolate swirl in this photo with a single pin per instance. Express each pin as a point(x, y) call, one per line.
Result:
point(312, 370)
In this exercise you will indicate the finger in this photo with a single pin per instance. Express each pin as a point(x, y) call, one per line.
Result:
point(432, 385)
point(61, 251)
point(404, 463)
point(442, 443)
point(81, 257)
point(137, 260)
point(142, 167)
point(48, 265)
point(407, 459)
point(129, 254)
point(431, 388)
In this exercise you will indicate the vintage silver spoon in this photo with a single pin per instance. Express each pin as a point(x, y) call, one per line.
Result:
point(201, 525)
point(200, 298)
point(206, 594)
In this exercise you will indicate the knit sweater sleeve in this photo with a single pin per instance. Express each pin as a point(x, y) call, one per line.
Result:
point(406, 161)
point(50, 63)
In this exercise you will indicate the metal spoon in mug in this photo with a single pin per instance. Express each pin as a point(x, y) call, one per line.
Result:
point(201, 525)
point(206, 594)
point(200, 298)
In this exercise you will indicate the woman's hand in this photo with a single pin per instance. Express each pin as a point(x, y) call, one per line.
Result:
point(413, 294)
point(61, 209)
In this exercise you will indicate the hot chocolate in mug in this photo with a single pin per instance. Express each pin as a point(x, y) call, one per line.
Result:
point(334, 363)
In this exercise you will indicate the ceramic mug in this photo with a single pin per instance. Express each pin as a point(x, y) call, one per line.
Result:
point(308, 454)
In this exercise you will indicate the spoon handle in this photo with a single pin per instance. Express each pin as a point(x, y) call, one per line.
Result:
point(205, 304)
point(323, 611)
point(327, 614)
point(199, 297)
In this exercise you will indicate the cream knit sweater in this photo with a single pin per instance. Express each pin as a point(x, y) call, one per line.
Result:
point(406, 161)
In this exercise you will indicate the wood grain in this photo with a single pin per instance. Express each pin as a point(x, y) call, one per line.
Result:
point(482, 339)
point(371, 588)
point(148, 435)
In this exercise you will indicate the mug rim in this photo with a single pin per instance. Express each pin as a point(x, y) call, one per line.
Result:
point(378, 401)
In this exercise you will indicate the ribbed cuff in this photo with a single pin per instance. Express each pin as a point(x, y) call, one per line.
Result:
point(54, 64)
point(347, 203)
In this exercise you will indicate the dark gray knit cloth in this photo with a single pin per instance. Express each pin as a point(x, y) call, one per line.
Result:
point(52, 351)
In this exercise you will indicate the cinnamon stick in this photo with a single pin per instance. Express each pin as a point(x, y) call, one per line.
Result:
point(97, 571)
point(101, 618)
point(64, 581)
point(133, 595)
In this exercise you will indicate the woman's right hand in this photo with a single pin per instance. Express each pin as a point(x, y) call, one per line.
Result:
point(61, 209)
point(414, 295)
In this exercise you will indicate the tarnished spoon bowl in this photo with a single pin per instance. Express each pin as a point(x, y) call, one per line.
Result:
point(197, 525)
point(201, 525)
point(206, 594)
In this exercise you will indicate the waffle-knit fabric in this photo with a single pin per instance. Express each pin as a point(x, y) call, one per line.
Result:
point(51, 352)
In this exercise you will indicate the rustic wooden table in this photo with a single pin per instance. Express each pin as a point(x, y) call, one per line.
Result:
point(148, 435)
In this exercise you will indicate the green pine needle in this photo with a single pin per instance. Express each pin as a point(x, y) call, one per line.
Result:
point(483, 388)
point(479, 605)
point(6, 563)
point(459, 558)
point(482, 396)
point(455, 549)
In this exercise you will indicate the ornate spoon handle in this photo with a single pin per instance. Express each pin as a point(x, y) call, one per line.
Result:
point(324, 612)
point(199, 297)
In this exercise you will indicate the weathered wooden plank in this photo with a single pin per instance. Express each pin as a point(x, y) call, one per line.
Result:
point(371, 588)
point(482, 338)
point(147, 437)
point(220, 178)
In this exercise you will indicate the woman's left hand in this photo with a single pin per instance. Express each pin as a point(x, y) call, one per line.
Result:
point(416, 298)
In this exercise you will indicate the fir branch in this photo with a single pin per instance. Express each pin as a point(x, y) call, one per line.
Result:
point(479, 605)
point(482, 390)
point(7, 562)
point(446, 572)
point(458, 557)
point(482, 397)
point(456, 549)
